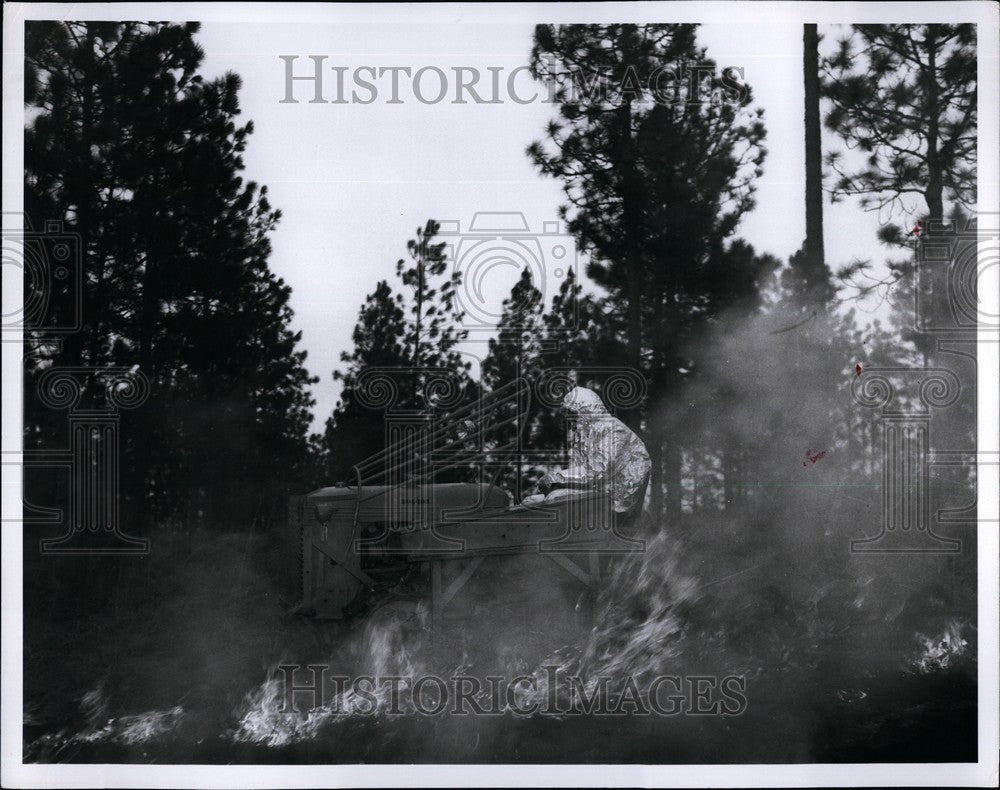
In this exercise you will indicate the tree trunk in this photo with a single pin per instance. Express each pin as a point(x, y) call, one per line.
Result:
point(655, 435)
point(656, 428)
point(672, 478)
point(141, 419)
point(935, 180)
point(814, 167)
point(633, 266)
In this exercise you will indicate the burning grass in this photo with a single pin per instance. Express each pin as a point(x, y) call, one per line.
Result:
point(853, 649)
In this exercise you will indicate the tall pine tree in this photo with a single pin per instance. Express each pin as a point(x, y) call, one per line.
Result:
point(412, 336)
point(904, 97)
point(516, 349)
point(808, 277)
point(355, 431)
point(654, 189)
point(133, 150)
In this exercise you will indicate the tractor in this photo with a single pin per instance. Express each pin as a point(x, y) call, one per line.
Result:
point(424, 534)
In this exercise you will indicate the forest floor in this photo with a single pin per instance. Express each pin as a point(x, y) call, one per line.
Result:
point(173, 661)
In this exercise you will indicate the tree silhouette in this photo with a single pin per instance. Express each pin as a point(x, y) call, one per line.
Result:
point(408, 334)
point(654, 190)
point(904, 97)
point(433, 327)
point(807, 276)
point(355, 431)
point(131, 149)
point(516, 349)
point(516, 353)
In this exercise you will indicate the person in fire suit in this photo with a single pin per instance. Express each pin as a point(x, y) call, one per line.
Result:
point(604, 455)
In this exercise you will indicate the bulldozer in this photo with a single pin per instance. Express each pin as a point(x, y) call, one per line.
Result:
point(425, 534)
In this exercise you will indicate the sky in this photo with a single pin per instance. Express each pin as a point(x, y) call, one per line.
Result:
point(354, 180)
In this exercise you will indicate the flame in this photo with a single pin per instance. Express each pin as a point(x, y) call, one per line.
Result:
point(941, 651)
point(639, 633)
point(267, 721)
point(131, 730)
point(640, 629)
point(653, 619)
point(268, 717)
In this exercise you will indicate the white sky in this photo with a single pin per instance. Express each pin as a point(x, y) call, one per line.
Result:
point(354, 181)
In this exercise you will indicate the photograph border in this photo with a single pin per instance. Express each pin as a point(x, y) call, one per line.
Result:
point(983, 773)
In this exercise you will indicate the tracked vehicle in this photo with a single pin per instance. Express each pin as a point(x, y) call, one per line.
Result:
point(425, 532)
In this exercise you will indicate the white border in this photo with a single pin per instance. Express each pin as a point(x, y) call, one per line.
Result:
point(985, 773)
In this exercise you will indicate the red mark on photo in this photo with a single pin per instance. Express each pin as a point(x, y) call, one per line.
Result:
point(812, 456)
point(858, 369)
point(916, 229)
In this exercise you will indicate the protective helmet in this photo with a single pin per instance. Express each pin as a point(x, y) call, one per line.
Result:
point(581, 400)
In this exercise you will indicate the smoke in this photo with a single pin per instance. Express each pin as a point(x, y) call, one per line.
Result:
point(782, 473)
point(757, 581)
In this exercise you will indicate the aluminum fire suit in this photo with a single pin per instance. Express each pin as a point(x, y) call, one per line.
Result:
point(603, 454)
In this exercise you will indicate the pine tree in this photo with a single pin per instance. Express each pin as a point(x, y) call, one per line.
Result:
point(433, 327)
point(515, 354)
point(574, 326)
point(654, 191)
point(412, 336)
point(808, 277)
point(135, 152)
point(356, 431)
point(516, 350)
point(904, 97)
